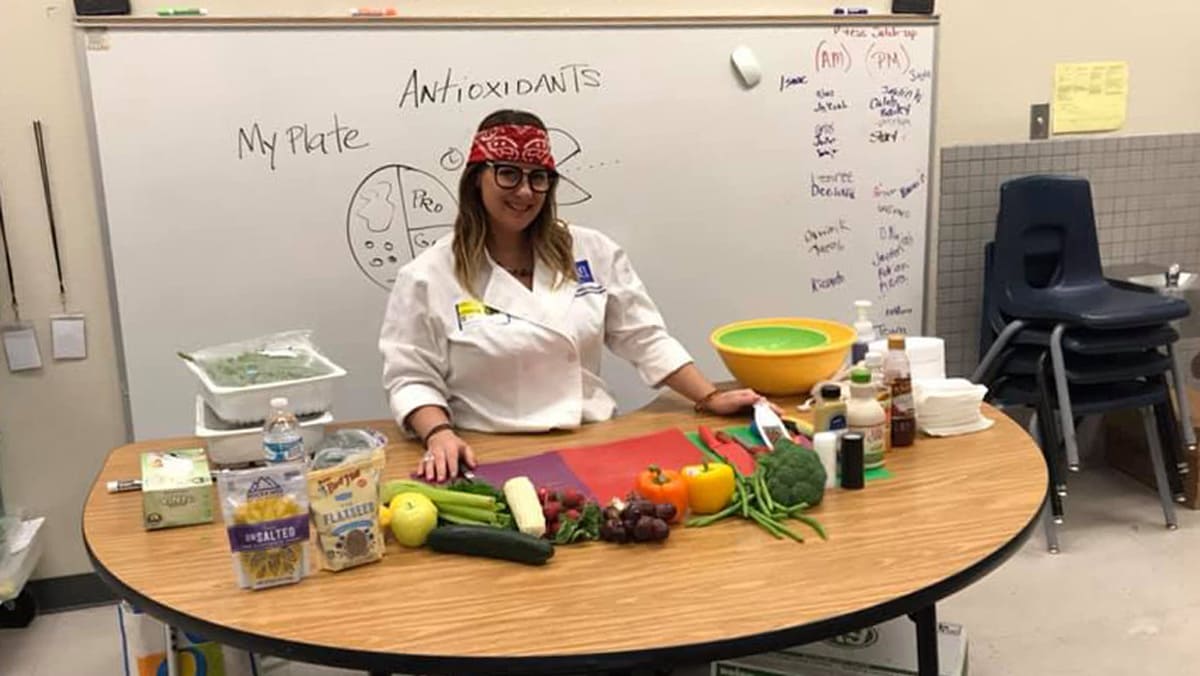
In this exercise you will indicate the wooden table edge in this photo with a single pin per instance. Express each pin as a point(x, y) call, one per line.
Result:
point(690, 653)
point(575, 663)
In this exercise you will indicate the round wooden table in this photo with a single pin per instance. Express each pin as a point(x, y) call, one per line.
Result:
point(954, 510)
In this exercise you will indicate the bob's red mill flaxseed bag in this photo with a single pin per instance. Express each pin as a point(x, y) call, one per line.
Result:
point(344, 502)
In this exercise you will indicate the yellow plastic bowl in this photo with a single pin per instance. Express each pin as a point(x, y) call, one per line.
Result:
point(783, 355)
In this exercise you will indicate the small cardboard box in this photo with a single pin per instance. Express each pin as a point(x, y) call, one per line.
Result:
point(176, 489)
point(886, 649)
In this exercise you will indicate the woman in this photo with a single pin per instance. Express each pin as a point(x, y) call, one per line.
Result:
point(500, 327)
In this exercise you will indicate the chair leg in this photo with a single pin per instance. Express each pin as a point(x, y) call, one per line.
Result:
point(1064, 397)
point(1160, 470)
point(1168, 433)
point(1183, 404)
point(1050, 525)
point(1001, 342)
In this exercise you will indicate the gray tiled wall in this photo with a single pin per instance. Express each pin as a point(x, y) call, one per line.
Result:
point(1146, 196)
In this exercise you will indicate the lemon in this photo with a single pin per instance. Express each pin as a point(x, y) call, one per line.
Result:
point(385, 516)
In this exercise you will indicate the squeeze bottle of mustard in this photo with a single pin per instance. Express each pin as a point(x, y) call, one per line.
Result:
point(830, 413)
point(866, 417)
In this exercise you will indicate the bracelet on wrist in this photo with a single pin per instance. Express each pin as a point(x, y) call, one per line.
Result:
point(702, 405)
point(436, 429)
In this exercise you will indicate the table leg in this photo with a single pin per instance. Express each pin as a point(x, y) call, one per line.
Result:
point(927, 640)
point(172, 660)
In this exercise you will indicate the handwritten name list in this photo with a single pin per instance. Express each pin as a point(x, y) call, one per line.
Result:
point(864, 208)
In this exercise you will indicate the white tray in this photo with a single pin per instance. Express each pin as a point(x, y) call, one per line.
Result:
point(249, 404)
point(240, 444)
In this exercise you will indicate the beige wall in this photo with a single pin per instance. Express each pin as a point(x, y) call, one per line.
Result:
point(995, 59)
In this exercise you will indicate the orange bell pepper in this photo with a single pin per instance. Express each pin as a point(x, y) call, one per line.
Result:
point(664, 486)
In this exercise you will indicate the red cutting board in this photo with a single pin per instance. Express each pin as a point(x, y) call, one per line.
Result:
point(610, 470)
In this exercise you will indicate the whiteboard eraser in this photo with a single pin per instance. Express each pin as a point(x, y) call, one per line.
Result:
point(746, 65)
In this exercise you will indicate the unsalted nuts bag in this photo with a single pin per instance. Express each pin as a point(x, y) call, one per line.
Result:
point(344, 500)
point(266, 517)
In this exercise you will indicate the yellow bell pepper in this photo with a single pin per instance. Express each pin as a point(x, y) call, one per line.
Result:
point(710, 487)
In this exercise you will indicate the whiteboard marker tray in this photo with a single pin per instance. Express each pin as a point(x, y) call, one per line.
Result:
point(232, 444)
point(249, 403)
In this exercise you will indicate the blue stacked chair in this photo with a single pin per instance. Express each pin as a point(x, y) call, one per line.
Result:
point(1062, 339)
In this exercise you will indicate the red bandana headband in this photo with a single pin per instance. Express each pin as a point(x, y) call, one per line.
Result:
point(512, 143)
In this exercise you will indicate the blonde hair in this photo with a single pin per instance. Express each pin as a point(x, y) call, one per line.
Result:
point(550, 236)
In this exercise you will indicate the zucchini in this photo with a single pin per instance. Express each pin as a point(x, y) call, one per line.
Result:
point(492, 543)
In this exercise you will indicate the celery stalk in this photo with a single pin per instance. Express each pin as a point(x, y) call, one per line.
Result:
point(440, 496)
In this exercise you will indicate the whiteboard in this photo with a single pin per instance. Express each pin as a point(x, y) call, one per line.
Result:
point(259, 179)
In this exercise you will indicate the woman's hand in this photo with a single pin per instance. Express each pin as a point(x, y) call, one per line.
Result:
point(732, 402)
point(445, 451)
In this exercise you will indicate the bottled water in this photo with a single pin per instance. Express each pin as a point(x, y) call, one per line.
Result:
point(281, 434)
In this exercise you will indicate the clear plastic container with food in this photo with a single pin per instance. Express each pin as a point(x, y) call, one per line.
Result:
point(239, 379)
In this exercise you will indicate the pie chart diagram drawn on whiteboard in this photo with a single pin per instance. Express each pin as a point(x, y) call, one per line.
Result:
point(398, 210)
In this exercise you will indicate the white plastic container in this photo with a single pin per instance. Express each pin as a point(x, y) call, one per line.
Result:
point(250, 403)
point(230, 444)
point(15, 569)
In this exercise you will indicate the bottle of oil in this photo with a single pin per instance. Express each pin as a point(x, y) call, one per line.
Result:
point(898, 376)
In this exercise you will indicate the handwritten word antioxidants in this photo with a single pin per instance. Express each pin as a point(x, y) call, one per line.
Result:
point(453, 88)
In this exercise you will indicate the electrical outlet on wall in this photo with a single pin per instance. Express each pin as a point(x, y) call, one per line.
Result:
point(1039, 121)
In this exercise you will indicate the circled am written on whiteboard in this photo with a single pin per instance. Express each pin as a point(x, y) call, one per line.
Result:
point(449, 87)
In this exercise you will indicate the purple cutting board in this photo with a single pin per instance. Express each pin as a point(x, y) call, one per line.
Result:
point(544, 470)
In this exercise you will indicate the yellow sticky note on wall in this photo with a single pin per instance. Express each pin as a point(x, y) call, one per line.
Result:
point(1090, 96)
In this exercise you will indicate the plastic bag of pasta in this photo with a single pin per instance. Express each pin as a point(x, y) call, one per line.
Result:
point(266, 516)
point(344, 500)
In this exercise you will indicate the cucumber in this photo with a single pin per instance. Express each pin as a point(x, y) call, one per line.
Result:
point(492, 543)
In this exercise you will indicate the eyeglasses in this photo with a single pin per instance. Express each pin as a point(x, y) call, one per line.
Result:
point(510, 176)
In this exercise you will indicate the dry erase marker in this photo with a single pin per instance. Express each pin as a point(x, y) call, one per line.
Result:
point(851, 10)
point(182, 11)
point(373, 11)
point(124, 485)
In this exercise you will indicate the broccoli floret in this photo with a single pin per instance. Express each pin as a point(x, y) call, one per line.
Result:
point(793, 474)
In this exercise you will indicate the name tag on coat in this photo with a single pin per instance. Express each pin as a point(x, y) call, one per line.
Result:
point(470, 312)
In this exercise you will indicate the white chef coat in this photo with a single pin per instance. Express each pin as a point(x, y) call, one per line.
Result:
point(520, 360)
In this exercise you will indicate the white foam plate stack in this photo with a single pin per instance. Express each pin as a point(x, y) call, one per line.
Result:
point(949, 406)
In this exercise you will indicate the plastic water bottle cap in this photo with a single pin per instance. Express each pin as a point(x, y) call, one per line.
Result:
point(279, 402)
